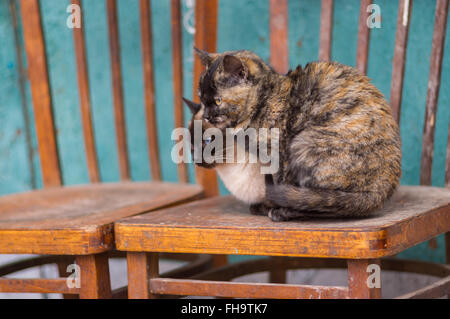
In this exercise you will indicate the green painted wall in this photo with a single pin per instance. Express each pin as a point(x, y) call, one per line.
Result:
point(242, 24)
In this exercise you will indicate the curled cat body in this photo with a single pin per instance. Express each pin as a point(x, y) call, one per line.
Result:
point(339, 147)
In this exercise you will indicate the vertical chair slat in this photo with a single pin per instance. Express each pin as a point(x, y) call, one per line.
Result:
point(119, 113)
point(40, 91)
point(205, 39)
point(149, 87)
point(279, 52)
point(437, 52)
point(363, 37)
point(85, 102)
point(22, 88)
point(326, 26)
point(398, 63)
point(177, 65)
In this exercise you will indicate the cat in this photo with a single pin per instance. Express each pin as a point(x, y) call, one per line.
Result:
point(339, 146)
point(242, 178)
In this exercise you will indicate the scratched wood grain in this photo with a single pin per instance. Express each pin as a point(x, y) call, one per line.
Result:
point(80, 217)
point(222, 225)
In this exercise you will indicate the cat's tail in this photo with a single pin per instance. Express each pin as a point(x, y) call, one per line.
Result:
point(324, 203)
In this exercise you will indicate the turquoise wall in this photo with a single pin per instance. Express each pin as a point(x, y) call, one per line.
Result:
point(242, 24)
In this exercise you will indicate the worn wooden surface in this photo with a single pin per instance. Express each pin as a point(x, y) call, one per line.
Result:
point(177, 65)
point(95, 282)
point(434, 84)
point(116, 71)
point(242, 290)
point(36, 286)
point(222, 225)
point(40, 90)
point(381, 52)
point(79, 218)
point(205, 39)
point(149, 84)
point(398, 65)
point(141, 267)
point(358, 279)
point(144, 283)
point(279, 26)
point(85, 100)
point(414, 101)
point(206, 24)
point(326, 25)
point(62, 273)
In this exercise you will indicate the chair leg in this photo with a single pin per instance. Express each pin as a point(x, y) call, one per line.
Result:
point(141, 267)
point(62, 271)
point(447, 248)
point(364, 278)
point(94, 273)
point(278, 275)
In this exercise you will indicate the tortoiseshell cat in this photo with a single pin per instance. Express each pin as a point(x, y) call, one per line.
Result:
point(339, 147)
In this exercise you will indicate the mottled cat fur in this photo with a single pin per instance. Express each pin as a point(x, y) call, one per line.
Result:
point(340, 152)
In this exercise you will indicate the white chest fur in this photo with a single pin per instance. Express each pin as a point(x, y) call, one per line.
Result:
point(244, 181)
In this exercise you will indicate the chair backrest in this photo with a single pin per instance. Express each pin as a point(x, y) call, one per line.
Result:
point(206, 19)
point(206, 13)
point(398, 68)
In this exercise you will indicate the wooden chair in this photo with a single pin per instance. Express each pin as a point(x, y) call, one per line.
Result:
point(68, 223)
point(222, 225)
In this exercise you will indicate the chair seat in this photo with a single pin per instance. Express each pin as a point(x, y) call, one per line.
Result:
point(78, 220)
point(223, 225)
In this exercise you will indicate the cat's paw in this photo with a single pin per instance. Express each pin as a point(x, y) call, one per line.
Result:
point(281, 214)
point(259, 209)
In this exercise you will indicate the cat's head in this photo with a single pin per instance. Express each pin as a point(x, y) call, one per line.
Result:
point(227, 90)
point(228, 87)
point(210, 145)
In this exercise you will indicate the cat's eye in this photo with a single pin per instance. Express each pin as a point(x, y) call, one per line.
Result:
point(218, 100)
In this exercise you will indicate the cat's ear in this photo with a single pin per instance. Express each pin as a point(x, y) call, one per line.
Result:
point(194, 107)
point(234, 66)
point(204, 56)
